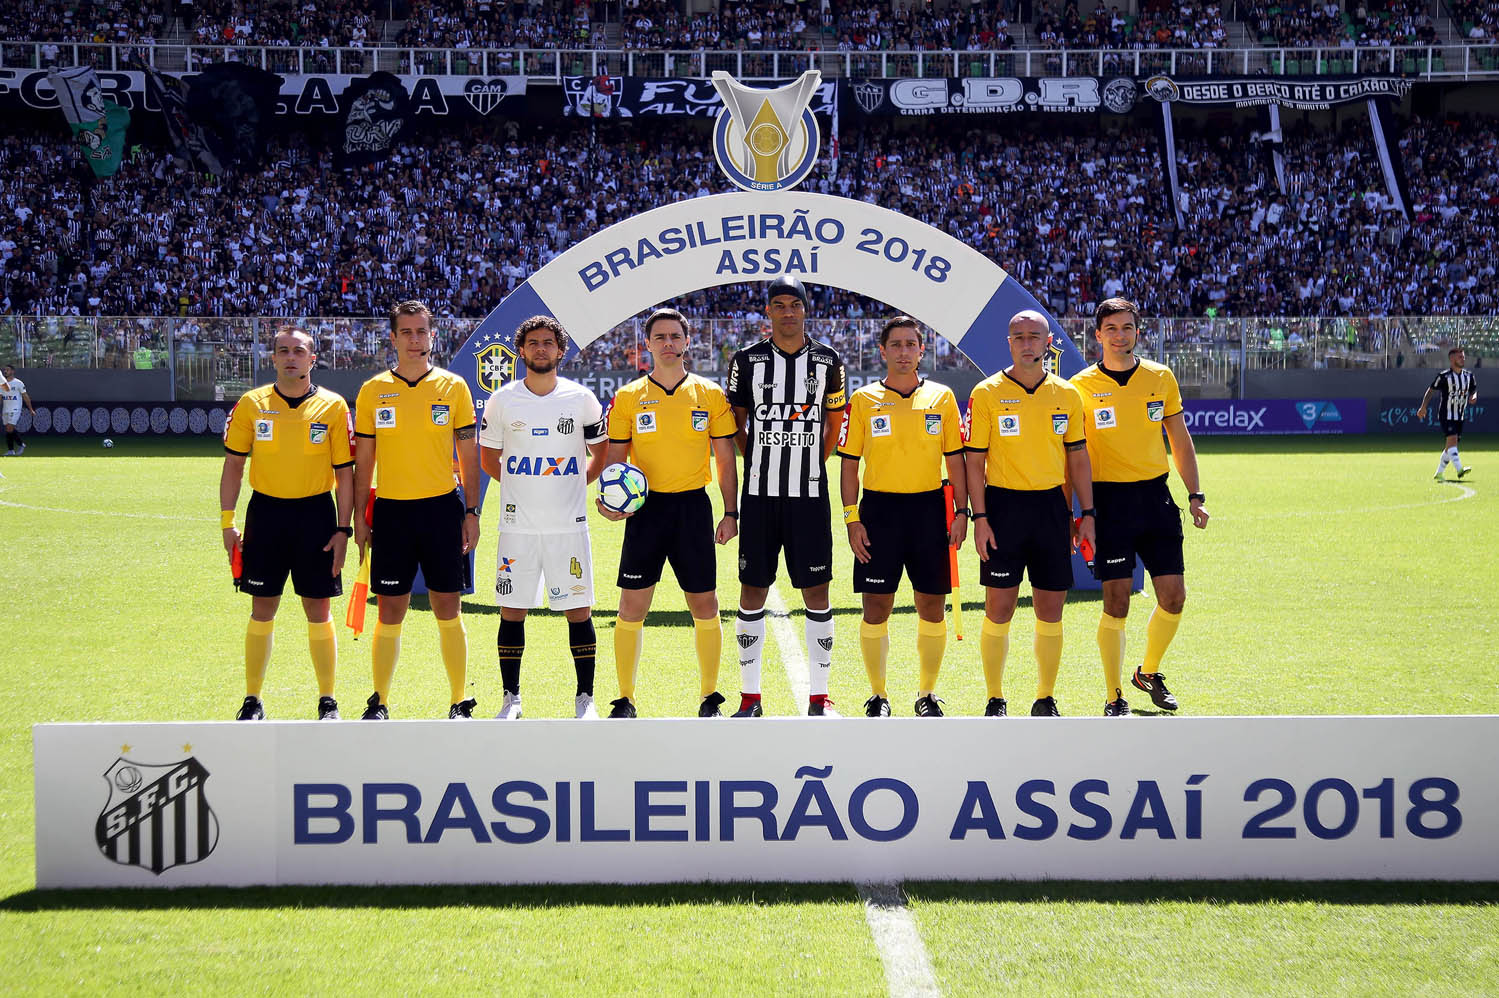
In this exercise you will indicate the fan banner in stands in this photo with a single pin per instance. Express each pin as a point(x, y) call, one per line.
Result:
point(471, 96)
point(1313, 93)
point(989, 95)
point(638, 96)
point(377, 109)
point(98, 123)
point(233, 104)
point(188, 141)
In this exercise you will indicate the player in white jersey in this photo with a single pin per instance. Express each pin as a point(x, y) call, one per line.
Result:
point(12, 394)
point(542, 440)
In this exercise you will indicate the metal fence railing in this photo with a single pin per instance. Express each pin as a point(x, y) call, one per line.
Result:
point(1453, 61)
point(215, 358)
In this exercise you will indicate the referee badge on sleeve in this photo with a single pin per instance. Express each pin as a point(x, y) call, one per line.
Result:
point(1059, 423)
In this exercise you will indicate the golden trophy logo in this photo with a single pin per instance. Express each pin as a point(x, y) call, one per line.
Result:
point(766, 140)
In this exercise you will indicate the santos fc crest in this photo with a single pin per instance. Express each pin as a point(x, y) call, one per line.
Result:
point(156, 816)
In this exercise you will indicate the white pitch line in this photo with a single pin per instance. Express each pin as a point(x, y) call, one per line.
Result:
point(908, 968)
point(792, 656)
point(106, 512)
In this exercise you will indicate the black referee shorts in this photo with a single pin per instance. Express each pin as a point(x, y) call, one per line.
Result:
point(907, 531)
point(1137, 518)
point(418, 533)
point(1452, 427)
point(286, 536)
point(675, 527)
point(802, 526)
point(1032, 535)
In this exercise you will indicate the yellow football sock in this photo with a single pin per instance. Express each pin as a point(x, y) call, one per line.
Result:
point(628, 638)
point(707, 638)
point(322, 643)
point(1048, 657)
point(931, 642)
point(874, 642)
point(1111, 650)
point(994, 646)
point(454, 642)
point(1158, 635)
point(386, 649)
point(258, 641)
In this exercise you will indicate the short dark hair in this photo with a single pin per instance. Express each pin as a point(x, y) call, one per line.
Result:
point(409, 307)
point(1113, 306)
point(293, 328)
point(541, 322)
point(896, 322)
point(666, 313)
point(1456, 350)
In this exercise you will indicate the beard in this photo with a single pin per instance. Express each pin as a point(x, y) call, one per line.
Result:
point(546, 367)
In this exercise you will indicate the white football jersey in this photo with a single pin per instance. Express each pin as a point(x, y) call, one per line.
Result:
point(544, 443)
point(11, 397)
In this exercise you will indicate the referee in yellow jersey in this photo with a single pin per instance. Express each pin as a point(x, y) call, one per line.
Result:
point(408, 421)
point(1128, 401)
point(668, 423)
point(1025, 440)
point(903, 428)
point(295, 436)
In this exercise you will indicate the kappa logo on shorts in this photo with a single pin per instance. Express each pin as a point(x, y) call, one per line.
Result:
point(317, 433)
point(264, 429)
point(439, 414)
point(934, 424)
point(699, 421)
point(879, 426)
point(1155, 410)
point(385, 417)
point(1059, 423)
point(1009, 424)
point(1103, 417)
point(645, 422)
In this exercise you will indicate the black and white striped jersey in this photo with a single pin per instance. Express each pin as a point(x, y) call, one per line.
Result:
point(786, 396)
point(1455, 387)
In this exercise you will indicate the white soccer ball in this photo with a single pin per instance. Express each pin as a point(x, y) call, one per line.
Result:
point(108, 442)
point(622, 488)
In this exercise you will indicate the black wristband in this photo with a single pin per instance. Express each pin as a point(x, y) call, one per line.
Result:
point(1090, 511)
point(979, 516)
point(1196, 495)
point(346, 531)
point(965, 511)
point(731, 513)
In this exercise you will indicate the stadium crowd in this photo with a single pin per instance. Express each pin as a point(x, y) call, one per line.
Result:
point(462, 219)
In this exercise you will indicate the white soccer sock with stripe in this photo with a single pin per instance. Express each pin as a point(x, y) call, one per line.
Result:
point(819, 650)
point(749, 634)
point(1457, 462)
point(1442, 464)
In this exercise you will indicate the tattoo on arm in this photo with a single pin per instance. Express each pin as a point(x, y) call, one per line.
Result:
point(467, 434)
point(1076, 445)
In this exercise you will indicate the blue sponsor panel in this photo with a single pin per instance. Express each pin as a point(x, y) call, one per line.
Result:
point(1253, 417)
point(1398, 415)
point(553, 801)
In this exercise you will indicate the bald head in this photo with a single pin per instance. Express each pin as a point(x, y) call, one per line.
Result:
point(1030, 321)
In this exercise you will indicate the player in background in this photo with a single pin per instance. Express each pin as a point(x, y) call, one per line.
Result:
point(669, 423)
point(408, 422)
point(297, 440)
point(1128, 400)
point(12, 395)
point(788, 393)
point(542, 441)
point(908, 432)
point(1455, 389)
point(1025, 441)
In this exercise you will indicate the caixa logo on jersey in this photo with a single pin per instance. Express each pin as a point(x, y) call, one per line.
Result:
point(156, 816)
point(766, 140)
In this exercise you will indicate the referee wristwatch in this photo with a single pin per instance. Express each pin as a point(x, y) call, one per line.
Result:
point(471, 511)
point(346, 531)
point(1090, 511)
point(1196, 495)
point(965, 511)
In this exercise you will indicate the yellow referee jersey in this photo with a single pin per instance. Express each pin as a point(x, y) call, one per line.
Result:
point(1125, 443)
point(293, 444)
point(1024, 430)
point(412, 424)
point(902, 438)
point(669, 429)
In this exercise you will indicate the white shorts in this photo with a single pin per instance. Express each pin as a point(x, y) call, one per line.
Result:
point(559, 566)
point(10, 415)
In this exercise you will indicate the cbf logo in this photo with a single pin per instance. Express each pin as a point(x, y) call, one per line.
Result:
point(766, 140)
point(156, 816)
point(496, 363)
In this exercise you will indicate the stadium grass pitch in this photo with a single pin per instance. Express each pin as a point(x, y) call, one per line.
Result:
point(1335, 578)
